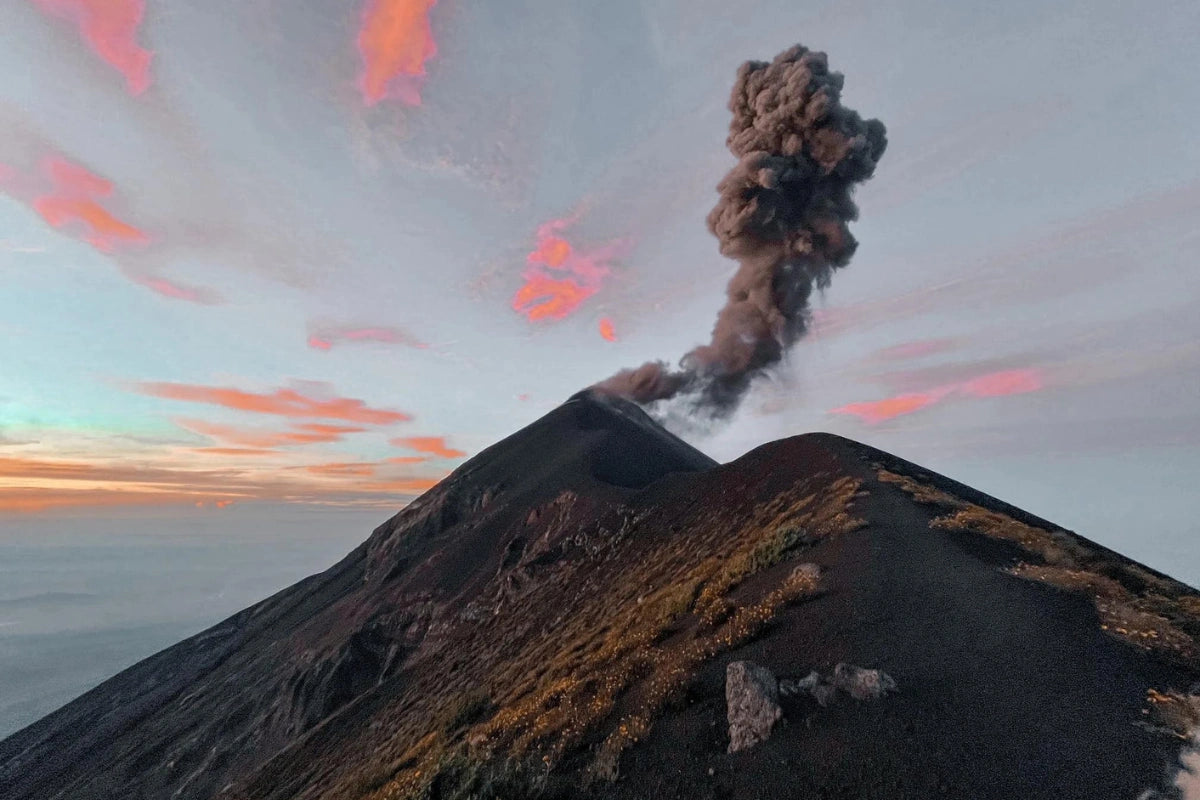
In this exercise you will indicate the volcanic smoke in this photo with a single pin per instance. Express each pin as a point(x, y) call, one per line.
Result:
point(783, 214)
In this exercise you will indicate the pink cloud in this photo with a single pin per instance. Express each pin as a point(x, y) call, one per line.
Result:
point(433, 445)
point(176, 291)
point(993, 384)
point(281, 402)
point(325, 337)
point(110, 29)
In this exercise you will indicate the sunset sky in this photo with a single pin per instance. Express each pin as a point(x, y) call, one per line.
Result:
point(257, 253)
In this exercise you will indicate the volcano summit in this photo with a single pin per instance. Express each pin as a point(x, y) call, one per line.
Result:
point(589, 607)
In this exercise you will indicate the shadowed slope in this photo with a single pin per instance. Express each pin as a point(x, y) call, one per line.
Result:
point(171, 722)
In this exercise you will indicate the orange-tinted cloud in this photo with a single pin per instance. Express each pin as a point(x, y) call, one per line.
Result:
point(433, 445)
point(110, 28)
point(323, 338)
point(559, 277)
point(395, 40)
point(74, 200)
point(992, 384)
point(880, 410)
point(359, 468)
point(549, 298)
point(235, 451)
point(26, 500)
point(176, 291)
point(306, 433)
point(607, 330)
point(281, 402)
point(551, 251)
point(54, 469)
point(73, 203)
point(407, 459)
point(1000, 384)
point(404, 485)
point(39, 484)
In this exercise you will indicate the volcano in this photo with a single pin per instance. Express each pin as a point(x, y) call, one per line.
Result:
point(565, 615)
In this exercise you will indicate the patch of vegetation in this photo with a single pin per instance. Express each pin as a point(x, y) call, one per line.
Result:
point(1052, 547)
point(1174, 712)
point(618, 633)
point(457, 776)
point(1122, 614)
point(466, 710)
point(1133, 604)
point(921, 492)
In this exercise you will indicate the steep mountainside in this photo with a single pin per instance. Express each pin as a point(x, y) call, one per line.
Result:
point(555, 620)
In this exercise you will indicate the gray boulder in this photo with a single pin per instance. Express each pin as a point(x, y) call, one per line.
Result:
point(752, 698)
point(862, 684)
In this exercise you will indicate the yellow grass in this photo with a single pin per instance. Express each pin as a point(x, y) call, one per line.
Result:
point(622, 645)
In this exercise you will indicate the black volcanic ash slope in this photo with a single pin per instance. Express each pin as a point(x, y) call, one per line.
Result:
point(555, 618)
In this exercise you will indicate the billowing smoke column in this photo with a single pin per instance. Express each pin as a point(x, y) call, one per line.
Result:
point(783, 214)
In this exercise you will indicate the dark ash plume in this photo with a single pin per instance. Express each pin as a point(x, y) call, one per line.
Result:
point(783, 214)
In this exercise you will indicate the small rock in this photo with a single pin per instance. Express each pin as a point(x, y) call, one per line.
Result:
point(811, 684)
point(809, 574)
point(752, 699)
point(825, 694)
point(791, 687)
point(862, 684)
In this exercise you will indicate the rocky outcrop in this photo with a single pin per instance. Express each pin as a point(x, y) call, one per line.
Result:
point(859, 683)
point(752, 699)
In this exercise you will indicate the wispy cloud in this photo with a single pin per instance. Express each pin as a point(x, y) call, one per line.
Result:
point(908, 351)
point(325, 337)
point(992, 384)
point(298, 434)
point(433, 445)
point(355, 468)
point(176, 290)
point(395, 40)
point(235, 451)
point(1063, 259)
point(40, 484)
point(110, 29)
point(559, 276)
point(280, 402)
point(82, 204)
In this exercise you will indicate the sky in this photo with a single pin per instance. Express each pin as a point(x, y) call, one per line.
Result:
point(261, 259)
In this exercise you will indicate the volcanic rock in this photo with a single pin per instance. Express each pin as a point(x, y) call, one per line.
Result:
point(752, 699)
point(862, 684)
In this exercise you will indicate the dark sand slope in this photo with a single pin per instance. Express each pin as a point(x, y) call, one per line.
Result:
point(555, 620)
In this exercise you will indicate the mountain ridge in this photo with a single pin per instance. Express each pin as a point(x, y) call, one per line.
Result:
point(569, 598)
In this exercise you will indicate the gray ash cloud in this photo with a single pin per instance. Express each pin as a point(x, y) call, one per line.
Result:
point(783, 214)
